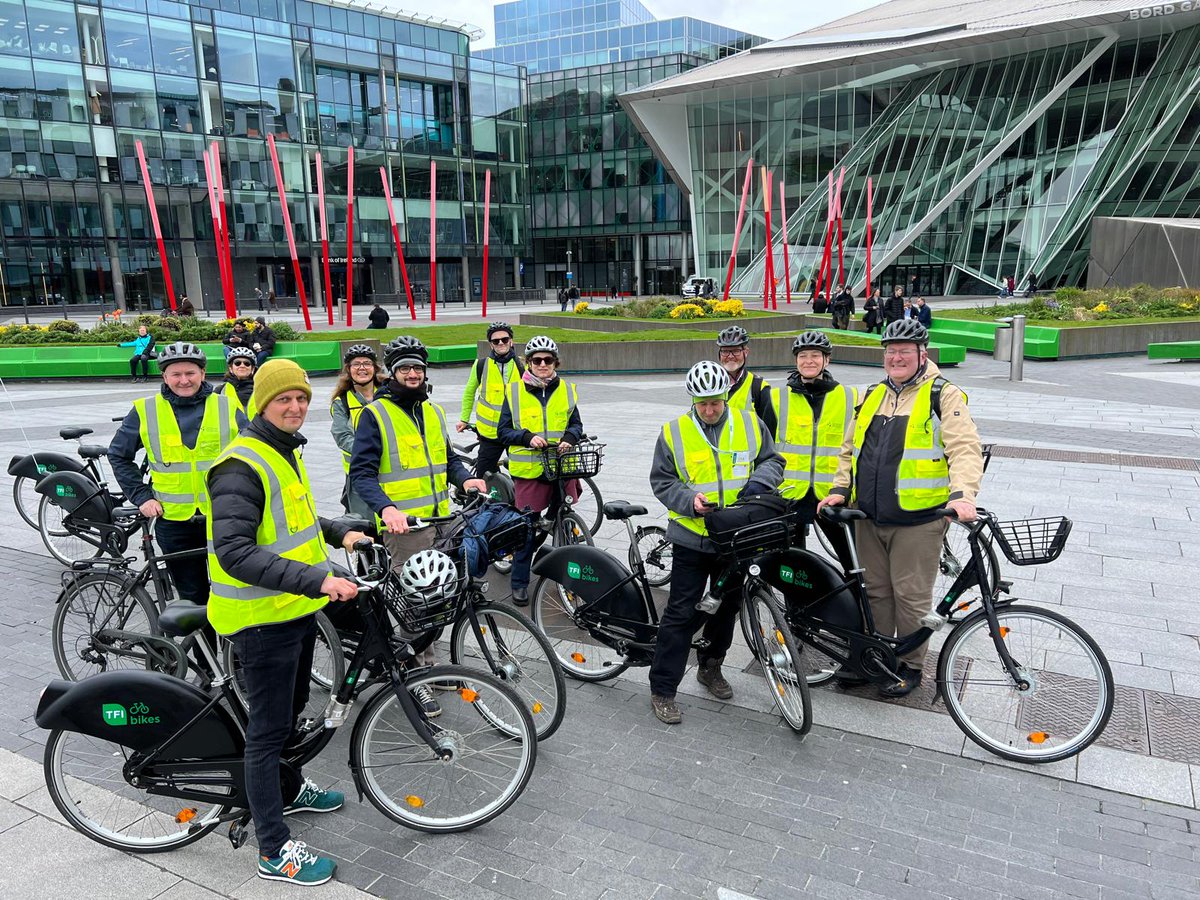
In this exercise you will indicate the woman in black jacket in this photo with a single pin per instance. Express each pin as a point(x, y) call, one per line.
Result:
point(872, 315)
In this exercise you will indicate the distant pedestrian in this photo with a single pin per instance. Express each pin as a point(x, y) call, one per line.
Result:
point(562, 299)
point(271, 299)
point(1031, 287)
point(379, 317)
point(843, 308)
point(872, 314)
point(893, 307)
point(924, 313)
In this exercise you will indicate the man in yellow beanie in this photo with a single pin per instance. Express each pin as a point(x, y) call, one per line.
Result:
point(270, 573)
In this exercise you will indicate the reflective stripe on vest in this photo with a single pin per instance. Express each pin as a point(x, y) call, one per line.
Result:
point(923, 478)
point(489, 398)
point(355, 406)
point(743, 397)
point(412, 464)
point(176, 472)
point(549, 420)
point(289, 528)
point(709, 470)
point(226, 389)
point(810, 449)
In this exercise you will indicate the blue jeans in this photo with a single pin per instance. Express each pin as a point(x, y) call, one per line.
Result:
point(276, 665)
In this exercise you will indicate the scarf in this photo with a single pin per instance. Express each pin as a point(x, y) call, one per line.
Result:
point(533, 381)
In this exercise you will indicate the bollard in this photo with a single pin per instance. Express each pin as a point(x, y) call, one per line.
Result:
point(1016, 365)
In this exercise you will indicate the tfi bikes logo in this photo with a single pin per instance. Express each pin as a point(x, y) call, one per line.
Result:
point(581, 573)
point(138, 714)
point(789, 576)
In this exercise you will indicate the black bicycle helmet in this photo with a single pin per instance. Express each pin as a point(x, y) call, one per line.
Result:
point(812, 340)
point(499, 326)
point(908, 331)
point(733, 336)
point(181, 351)
point(405, 349)
point(357, 350)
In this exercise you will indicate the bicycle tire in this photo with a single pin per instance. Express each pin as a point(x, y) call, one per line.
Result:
point(531, 669)
point(1027, 728)
point(482, 697)
point(656, 555)
point(818, 667)
point(580, 655)
point(590, 508)
point(955, 556)
point(61, 544)
point(776, 653)
point(328, 669)
point(112, 591)
point(570, 529)
point(25, 499)
point(135, 806)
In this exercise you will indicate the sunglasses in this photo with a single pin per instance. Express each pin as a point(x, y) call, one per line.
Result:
point(241, 362)
point(542, 361)
point(500, 342)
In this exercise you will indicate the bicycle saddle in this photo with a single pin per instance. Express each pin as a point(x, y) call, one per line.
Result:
point(842, 514)
point(182, 618)
point(622, 509)
point(72, 433)
point(93, 451)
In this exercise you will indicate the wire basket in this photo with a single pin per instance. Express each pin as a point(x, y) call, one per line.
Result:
point(754, 540)
point(418, 613)
point(1031, 542)
point(581, 461)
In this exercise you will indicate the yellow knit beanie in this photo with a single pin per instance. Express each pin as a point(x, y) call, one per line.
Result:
point(277, 376)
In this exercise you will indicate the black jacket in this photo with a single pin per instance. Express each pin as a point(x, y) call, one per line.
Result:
point(510, 434)
point(238, 339)
point(264, 337)
point(238, 500)
point(925, 315)
point(844, 302)
point(893, 308)
point(379, 317)
point(244, 388)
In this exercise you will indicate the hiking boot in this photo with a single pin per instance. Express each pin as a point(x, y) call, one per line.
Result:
point(665, 709)
point(709, 674)
point(314, 799)
point(424, 697)
point(910, 680)
point(296, 864)
point(520, 596)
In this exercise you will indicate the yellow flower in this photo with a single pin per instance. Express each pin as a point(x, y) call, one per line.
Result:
point(687, 311)
point(581, 306)
point(1101, 307)
point(729, 308)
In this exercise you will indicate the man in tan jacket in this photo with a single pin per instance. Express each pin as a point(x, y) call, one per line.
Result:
point(914, 449)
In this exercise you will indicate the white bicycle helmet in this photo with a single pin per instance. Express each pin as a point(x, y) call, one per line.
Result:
point(181, 351)
point(429, 574)
point(707, 380)
point(540, 343)
point(240, 353)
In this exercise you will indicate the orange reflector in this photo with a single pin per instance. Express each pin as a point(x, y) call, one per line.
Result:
point(1038, 737)
point(779, 689)
point(778, 636)
point(483, 629)
point(184, 816)
point(961, 607)
point(577, 656)
point(414, 801)
point(1004, 631)
point(469, 695)
point(537, 706)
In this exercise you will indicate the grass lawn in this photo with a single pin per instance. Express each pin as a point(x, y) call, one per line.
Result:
point(986, 316)
point(453, 335)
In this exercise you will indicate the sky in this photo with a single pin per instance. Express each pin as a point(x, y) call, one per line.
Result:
point(769, 18)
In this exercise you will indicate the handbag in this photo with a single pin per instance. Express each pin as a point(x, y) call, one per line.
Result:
point(751, 525)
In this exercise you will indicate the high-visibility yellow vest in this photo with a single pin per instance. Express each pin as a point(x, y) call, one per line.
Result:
point(176, 472)
point(289, 528)
point(489, 398)
point(550, 421)
point(228, 390)
point(810, 449)
point(743, 397)
point(923, 480)
point(355, 406)
point(412, 464)
point(717, 472)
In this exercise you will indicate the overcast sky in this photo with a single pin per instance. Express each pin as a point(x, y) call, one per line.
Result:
point(769, 18)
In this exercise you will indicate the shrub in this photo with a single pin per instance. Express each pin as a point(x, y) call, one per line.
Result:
point(687, 311)
point(64, 326)
point(146, 319)
point(284, 332)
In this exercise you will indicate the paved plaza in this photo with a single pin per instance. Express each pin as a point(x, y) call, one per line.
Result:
point(881, 800)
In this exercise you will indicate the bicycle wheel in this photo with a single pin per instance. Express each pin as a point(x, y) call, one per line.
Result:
point(523, 658)
point(1068, 694)
point(63, 546)
point(95, 603)
point(775, 649)
point(956, 556)
point(818, 667)
point(25, 499)
point(590, 505)
point(581, 655)
point(86, 780)
point(328, 668)
point(656, 553)
point(484, 725)
point(571, 529)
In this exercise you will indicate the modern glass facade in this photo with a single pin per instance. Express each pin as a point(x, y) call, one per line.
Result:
point(81, 82)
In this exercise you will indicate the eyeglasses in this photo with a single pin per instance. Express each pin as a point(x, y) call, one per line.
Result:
point(408, 370)
point(907, 351)
point(241, 362)
point(500, 342)
point(542, 361)
point(362, 365)
point(731, 351)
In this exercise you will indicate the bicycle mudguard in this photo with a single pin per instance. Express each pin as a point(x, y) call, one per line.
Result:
point(141, 710)
point(812, 587)
point(76, 493)
point(593, 574)
point(43, 462)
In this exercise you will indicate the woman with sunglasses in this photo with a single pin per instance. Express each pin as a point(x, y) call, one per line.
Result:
point(540, 411)
point(238, 385)
point(484, 393)
point(356, 385)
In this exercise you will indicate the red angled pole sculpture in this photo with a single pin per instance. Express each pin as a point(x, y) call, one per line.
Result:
point(350, 236)
point(324, 237)
point(432, 241)
point(838, 205)
point(387, 196)
point(287, 227)
point(487, 231)
point(737, 229)
point(869, 293)
point(787, 272)
point(230, 311)
point(162, 249)
point(219, 179)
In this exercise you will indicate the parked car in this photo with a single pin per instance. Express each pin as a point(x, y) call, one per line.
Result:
point(698, 286)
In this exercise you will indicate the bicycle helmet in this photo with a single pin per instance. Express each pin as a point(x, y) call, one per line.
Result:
point(240, 353)
point(181, 351)
point(357, 350)
point(812, 340)
point(499, 326)
point(405, 349)
point(707, 380)
point(430, 575)
point(733, 336)
point(905, 331)
point(540, 343)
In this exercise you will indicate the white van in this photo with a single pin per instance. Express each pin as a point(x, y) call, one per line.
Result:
point(699, 286)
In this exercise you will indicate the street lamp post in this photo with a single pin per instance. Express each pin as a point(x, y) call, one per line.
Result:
point(570, 274)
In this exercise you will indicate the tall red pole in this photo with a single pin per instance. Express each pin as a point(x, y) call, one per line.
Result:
point(737, 229)
point(766, 195)
point(387, 196)
point(230, 312)
point(432, 241)
point(826, 268)
point(869, 236)
point(787, 272)
point(287, 227)
point(841, 264)
point(231, 292)
point(162, 249)
point(324, 237)
point(350, 236)
point(487, 231)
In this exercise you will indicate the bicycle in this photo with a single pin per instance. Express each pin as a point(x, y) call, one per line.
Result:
point(601, 617)
point(1048, 680)
point(174, 771)
point(28, 470)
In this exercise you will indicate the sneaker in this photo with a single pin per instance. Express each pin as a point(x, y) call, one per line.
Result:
point(424, 696)
point(709, 675)
point(665, 709)
point(520, 597)
point(910, 680)
point(314, 799)
point(296, 864)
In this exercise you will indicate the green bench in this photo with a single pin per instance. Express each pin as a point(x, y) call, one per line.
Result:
point(949, 354)
point(1041, 342)
point(109, 361)
point(1174, 350)
point(455, 353)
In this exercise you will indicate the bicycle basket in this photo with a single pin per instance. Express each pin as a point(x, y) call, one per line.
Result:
point(1031, 542)
point(418, 613)
point(582, 461)
point(750, 541)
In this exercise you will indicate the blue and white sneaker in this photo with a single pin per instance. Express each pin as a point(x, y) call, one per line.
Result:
point(314, 799)
point(296, 864)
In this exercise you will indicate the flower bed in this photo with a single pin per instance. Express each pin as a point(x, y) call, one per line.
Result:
point(667, 308)
point(115, 329)
point(1075, 307)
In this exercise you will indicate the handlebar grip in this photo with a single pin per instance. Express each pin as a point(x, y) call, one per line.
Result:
point(947, 512)
point(363, 544)
point(413, 521)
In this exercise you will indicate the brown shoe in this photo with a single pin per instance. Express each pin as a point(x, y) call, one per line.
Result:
point(665, 709)
point(709, 675)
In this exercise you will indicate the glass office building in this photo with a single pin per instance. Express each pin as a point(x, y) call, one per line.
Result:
point(992, 138)
point(81, 82)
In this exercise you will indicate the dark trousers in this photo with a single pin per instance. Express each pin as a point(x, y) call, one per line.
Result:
point(488, 456)
point(806, 514)
point(276, 664)
point(260, 357)
point(190, 573)
point(691, 571)
point(142, 359)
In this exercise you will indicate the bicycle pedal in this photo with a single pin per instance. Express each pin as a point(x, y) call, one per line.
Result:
point(238, 832)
